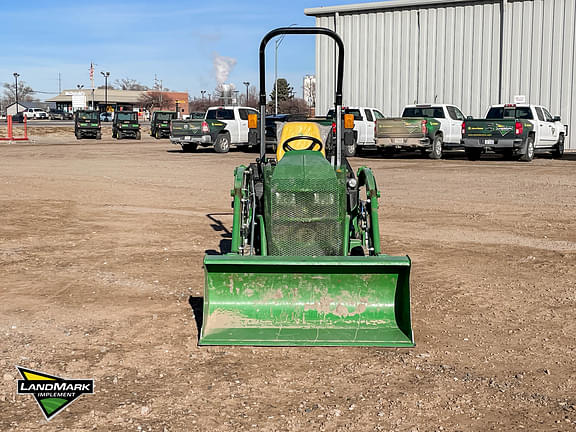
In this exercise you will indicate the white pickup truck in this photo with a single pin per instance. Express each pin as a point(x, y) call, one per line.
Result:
point(430, 128)
point(516, 131)
point(221, 128)
point(364, 123)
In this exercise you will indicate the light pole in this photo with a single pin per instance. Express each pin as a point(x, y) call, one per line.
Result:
point(105, 75)
point(16, 75)
point(247, 84)
point(202, 92)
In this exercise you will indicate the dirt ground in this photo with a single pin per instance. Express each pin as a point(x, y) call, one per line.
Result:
point(101, 247)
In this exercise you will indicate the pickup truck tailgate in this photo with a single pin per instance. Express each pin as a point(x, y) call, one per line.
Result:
point(490, 128)
point(399, 128)
point(186, 128)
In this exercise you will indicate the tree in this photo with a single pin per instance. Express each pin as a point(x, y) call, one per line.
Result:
point(293, 106)
point(157, 100)
point(25, 93)
point(110, 87)
point(129, 84)
point(285, 91)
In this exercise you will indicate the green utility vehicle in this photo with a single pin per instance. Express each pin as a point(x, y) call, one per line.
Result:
point(125, 125)
point(305, 266)
point(428, 128)
point(160, 123)
point(517, 131)
point(87, 124)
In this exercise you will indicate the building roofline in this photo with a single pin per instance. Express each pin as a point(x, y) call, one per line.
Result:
point(391, 4)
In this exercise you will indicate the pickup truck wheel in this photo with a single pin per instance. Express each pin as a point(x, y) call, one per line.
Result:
point(222, 144)
point(528, 150)
point(473, 154)
point(437, 147)
point(350, 150)
point(558, 151)
point(189, 148)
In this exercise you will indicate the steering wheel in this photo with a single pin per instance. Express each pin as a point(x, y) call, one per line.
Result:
point(314, 142)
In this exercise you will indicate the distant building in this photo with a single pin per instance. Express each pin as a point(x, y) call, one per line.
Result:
point(472, 53)
point(22, 105)
point(119, 100)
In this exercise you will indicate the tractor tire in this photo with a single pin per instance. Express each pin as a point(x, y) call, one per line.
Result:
point(138, 135)
point(350, 150)
point(222, 144)
point(157, 134)
point(113, 134)
point(558, 151)
point(98, 135)
point(78, 136)
point(119, 135)
point(528, 150)
point(473, 154)
point(437, 147)
point(189, 148)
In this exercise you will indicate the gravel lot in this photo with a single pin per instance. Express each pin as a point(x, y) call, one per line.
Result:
point(101, 247)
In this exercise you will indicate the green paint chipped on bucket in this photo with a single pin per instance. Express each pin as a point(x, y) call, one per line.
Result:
point(307, 301)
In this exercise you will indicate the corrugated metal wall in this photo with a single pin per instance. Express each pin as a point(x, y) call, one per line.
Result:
point(451, 54)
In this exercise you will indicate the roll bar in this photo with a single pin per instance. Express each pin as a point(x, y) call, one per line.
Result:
point(339, 79)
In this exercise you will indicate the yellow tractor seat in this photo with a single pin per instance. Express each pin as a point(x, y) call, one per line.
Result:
point(303, 129)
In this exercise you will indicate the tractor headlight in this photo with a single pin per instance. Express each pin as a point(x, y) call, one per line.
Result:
point(352, 183)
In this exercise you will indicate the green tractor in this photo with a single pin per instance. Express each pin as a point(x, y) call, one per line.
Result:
point(125, 125)
point(87, 124)
point(305, 266)
point(160, 123)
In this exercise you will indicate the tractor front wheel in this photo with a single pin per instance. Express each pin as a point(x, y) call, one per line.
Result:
point(138, 135)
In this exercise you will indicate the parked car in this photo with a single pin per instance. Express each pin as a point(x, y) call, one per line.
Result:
point(516, 131)
point(18, 118)
point(106, 116)
point(35, 113)
point(60, 115)
point(430, 128)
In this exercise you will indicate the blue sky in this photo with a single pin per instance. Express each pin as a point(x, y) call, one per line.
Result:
point(176, 40)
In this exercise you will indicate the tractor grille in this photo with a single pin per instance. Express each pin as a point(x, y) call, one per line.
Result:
point(306, 217)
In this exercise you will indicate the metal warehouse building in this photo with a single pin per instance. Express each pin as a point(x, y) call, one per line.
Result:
point(472, 53)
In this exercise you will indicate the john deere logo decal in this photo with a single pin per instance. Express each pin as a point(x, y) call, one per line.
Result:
point(52, 393)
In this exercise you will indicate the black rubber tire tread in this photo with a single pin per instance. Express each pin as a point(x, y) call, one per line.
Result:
point(221, 146)
point(558, 151)
point(528, 155)
point(437, 147)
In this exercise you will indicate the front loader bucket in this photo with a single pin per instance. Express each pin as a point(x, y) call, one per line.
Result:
point(290, 301)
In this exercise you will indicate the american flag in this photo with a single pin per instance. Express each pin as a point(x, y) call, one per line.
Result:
point(91, 71)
